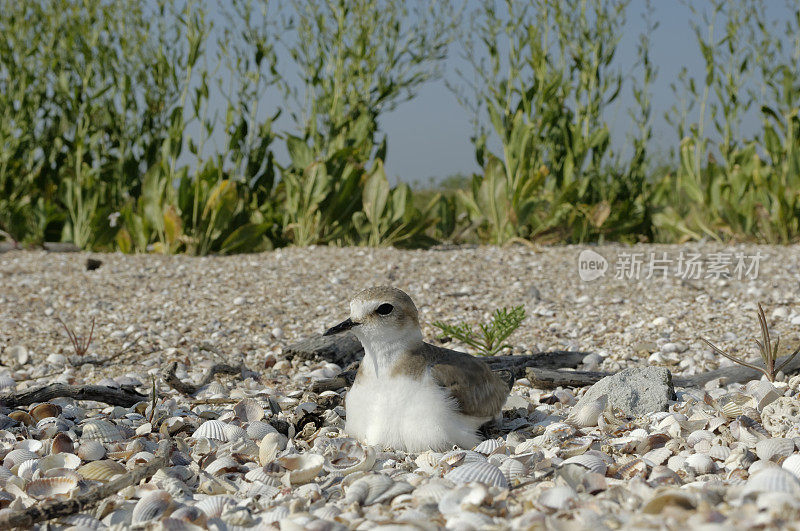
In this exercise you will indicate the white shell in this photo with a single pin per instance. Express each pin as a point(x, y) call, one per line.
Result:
point(302, 467)
point(375, 488)
point(772, 480)
point(213, 506)
point(763, 393)
point(719, 452)
point(513, 470)
point(270, 446)
point(657, 456)
point(212, 429)
point(771, 449)
point(248, 410)
point(590, 462)
point(62, 460)
point(151, 507)
point(480, 472)
point(792, 464)
point(100, 430)
point(223, 465)
point(557, 498)
point(257, 430)
point(489, 446)
point(700, 463)
point(586, 415)
point(697, 436)
point(16, 457)
point(51, 487)
point(91, 450)
point(344, 456)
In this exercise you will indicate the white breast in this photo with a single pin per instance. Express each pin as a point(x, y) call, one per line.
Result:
point(407, 414)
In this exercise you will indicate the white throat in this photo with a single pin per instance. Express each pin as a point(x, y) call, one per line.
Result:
point(383, 347)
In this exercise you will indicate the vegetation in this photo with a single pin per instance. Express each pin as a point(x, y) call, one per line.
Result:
point(142, 127)
point(767, 349)
point(490, 337)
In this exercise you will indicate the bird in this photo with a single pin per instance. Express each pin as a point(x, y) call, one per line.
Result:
point(410, 395)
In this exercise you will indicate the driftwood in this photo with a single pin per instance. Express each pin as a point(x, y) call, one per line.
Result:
point(124, 396)
point(550, 378)
point(49, 510)
point(188, 388)
point(735, 373)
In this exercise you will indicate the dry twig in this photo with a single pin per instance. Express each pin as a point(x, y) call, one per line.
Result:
point(80, 346)
point(188, 388)
point(124, 397)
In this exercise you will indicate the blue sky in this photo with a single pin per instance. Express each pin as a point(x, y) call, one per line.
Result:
point(429, 136)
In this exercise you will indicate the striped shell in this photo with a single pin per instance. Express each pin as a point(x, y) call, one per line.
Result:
point(375, 488)
point(586, 414)
point(212, 429)
point(14, 458)
point(91, 450)
point(257, 430)
point(489, 446)
point(151, 507)
point(44, 488)
point(792, 464)
point(102, 470)
point(590, 462)
point(513, 470)
point(480, 472)
point(557, 498)
point(344, 456)
point(700, 463)
point(62, 460)
point(248, 410)
point(101, 431)
point(772, 480)
point(214, 506)
point(775, 448)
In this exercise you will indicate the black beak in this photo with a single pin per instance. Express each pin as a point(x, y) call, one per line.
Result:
point(345, 325)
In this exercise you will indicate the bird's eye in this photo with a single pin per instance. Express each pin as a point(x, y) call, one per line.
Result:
point(384, 309)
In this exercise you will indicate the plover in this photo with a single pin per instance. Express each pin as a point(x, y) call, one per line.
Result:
point(411, 395)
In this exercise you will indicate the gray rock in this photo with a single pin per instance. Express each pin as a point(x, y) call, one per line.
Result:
point(341, 349)
point(636, 391)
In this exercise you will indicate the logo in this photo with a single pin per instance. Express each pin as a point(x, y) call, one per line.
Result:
point(591, 265)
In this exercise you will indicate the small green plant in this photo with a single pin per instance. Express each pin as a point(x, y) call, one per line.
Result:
point(489, 339)
point(768, 350)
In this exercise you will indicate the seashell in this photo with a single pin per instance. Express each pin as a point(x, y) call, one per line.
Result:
point(590, 462)
point(83, 521)
point(731, 409)
point(480, 472)
point(558, 431)
point(50, 426)
point(792, 464)
point(277, 514)
point(375, 488)
point(513, 470)
point(657, 456)
point(102, 470)
point(191, 514)
point(91, 450)
point(773, 449)
point(223, 465)
point(32, 445)
point(558, 498)
point(302, 467)
point(151, 507)
point(270, 446)
point(234, 432)
point(14, 458)
point(345, 456)
point(460, 457)
point(669, 498)
point(761, 464)
point(631, 469)
point(248, 410)
point(45, 410)
point(7, 383)
point(662, 475)
point(101, 431)
point(763, 393)
point(214, 506)
point(489, 446)
point(697, 436)
point(44, 488)
point(719, 452)
point(140, 458)
point(27, 468)
point(259, 489)
point(461, 498)
point(700, 463)
point(257, 430)
point(212, 429)
point(586, 415)
point(62, 443)
point(22, 416)
point(772, 480)
point(575, 446)
point(432, 492)
point(62, 460)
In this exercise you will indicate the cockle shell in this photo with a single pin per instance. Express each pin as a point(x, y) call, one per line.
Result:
point(375, 488)
point(151, 507)
point(657, 456)
point(44, 488)
point(23, 417)
point(223, 465)
point(669, 498)
point(257, 430)
point(700, 463)
point(480, 472)
point(14, 458)
point(513, 470)
point(456, 500)
point(45, 410)
point(213, 506)
point(344, 456)
point(792, 464)
point(62, 460)
point(763, 393)
point(270, 446)
point(101, 431)
point(91, 450)
point(772, 480)
point(62, 443)
point(557, 498)
point(489, 446)
point(590, 462)
point(775, 448)
point(586, 414)
point(212, 429)
point(248, 410)
point(102, 470)
point(302, 467)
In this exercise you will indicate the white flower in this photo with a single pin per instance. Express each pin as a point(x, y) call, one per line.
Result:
point(112, 219)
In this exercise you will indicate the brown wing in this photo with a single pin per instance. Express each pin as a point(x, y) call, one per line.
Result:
point(478, 391)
